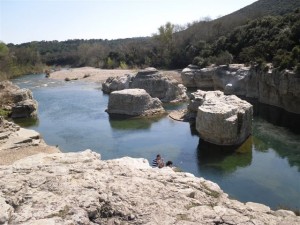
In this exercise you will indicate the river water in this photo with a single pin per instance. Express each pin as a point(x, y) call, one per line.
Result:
point(265, 169)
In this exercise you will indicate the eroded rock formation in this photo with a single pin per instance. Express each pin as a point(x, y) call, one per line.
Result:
point(272, 87)
point(117, 83)
point(79, 188)
point(18, 101)
point(151, 80)
point(17, 142)
point(134, 102)
point(222, 119)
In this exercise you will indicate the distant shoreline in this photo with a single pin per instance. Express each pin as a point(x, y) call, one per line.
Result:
point(96, 75)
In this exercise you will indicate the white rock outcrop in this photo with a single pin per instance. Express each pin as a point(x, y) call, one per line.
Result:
point(19, 101)
point(117, 83)
point(223, 119)
point(79, 188)
point(272, 87)
point(134, 102)
point(154, 82)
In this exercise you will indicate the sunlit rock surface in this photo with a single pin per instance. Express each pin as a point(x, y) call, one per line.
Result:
point(134, 102)
point(18, 101)
point(223, 119)
point(273, 87)
point(154, 82)
point(79, 188)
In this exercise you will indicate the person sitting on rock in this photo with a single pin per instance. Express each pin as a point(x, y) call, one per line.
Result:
point(169, 164)
point(158, 162)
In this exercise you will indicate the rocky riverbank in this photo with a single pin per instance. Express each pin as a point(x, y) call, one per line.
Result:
point(79, 188)
point(91, 74)
point(17, 143)
point(272, 87)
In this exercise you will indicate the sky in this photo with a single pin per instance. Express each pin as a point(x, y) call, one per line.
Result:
point(36, 20)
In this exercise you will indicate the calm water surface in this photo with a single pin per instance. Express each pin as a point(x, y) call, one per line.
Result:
point(265, 169)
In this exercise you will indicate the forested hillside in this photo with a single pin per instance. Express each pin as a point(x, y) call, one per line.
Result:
point(265, 31)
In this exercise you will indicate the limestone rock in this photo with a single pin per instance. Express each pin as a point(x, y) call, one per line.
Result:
point(223, 120)
point(25, 109)
point(151, 80)
point(193, 76)
point(79, 188)
point(134, 102)
point(277, 88)
point(19, 101)
point(159, 86)
point(116, 83)
point(17, 142)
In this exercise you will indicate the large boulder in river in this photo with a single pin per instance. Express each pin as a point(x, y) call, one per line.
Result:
point(24, 109)
point(134, 102)
point(223, 119)
point(18, 101)
point(116, 83)
point(159, 86)
point(154, 82)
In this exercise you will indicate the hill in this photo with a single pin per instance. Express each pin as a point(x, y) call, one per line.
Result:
point(201, 42)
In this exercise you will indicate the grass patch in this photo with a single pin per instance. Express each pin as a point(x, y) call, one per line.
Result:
point(61, 213)
point(5, 113)
point(182, 217)
point(191, 205)
point(210, 192)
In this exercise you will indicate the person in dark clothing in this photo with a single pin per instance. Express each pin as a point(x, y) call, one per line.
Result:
point(169, 163)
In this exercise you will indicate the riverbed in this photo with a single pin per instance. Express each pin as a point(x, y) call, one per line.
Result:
point(265, 169)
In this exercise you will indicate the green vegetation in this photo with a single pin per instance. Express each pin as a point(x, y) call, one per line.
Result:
point(267, 31)
point(5, 113)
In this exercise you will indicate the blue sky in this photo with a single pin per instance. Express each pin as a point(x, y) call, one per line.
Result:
point(36, 20)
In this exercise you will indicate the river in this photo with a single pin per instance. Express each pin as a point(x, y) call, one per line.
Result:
point(265, 169)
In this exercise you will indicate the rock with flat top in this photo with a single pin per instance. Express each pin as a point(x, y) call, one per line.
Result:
point(80, 188)
point(153, 81)
point(134, 102)
point(223, 119)
point(117, 83)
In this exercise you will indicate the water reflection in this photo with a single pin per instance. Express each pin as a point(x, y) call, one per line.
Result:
point(224, 159)
point(120, 122)
point(27, 122)
point(280, 139)
point(275, 115)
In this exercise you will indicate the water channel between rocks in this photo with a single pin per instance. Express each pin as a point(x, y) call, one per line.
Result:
point(265, 169)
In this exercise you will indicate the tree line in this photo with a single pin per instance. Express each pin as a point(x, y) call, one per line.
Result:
point(270, 39)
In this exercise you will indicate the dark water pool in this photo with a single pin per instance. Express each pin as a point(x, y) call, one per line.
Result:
point(265, 169)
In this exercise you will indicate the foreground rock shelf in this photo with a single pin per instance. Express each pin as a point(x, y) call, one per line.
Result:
point(79, 188)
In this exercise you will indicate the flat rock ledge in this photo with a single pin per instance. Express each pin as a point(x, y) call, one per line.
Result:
point(17, 143)
point(222, 119)
point(134, 102)
point(79, 188)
